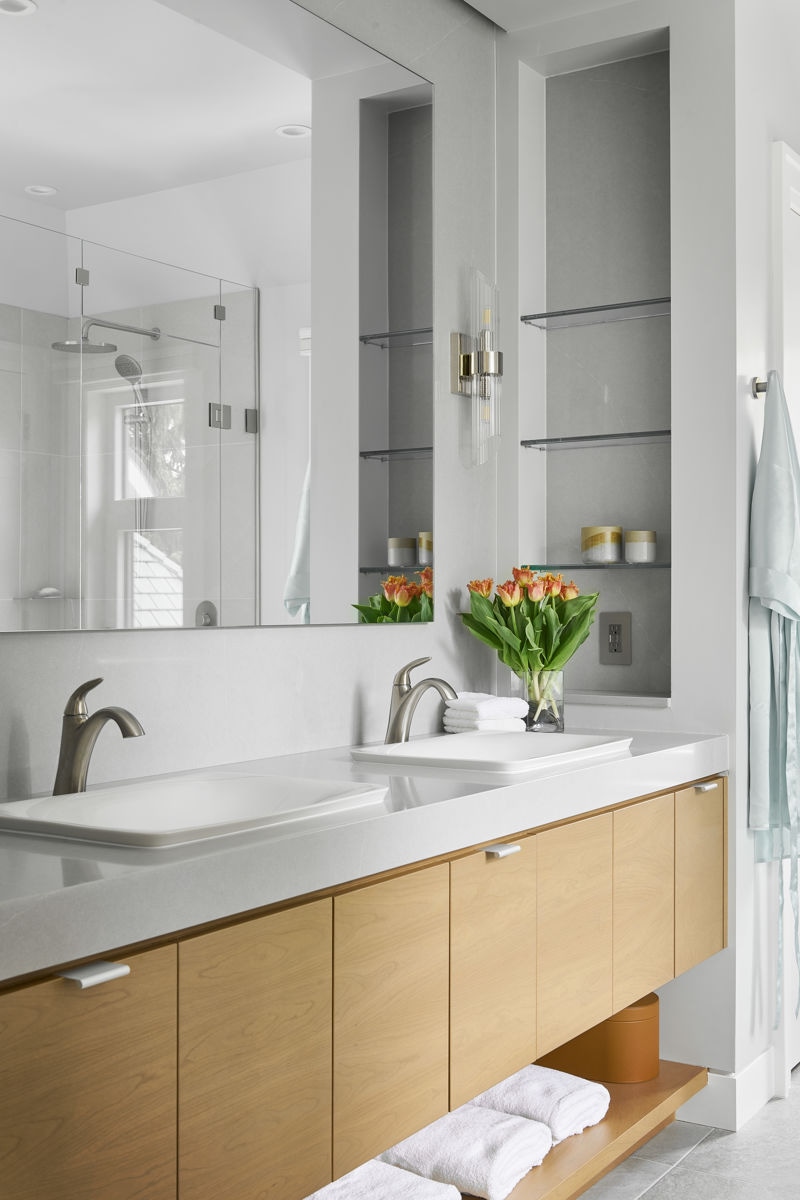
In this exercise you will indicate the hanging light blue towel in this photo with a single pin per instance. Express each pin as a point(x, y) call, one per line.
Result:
point(774, 644)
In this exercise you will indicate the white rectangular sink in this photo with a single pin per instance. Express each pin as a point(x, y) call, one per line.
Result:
point(186, 808)
point(497, 753)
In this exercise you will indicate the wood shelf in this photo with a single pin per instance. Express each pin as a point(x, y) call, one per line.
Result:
point(637, 1112)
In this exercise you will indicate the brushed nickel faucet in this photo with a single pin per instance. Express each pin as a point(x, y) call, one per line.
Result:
point(405, 699)
point(79, 732)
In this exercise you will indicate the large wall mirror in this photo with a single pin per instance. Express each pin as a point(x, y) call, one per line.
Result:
point(216, 372)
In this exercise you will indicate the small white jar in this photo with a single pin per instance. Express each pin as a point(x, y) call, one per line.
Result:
point(601, 543)
point(424, 548)
point(640, 545)
point(401, 552)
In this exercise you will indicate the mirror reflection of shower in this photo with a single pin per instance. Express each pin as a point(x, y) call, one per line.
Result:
point(139, 438)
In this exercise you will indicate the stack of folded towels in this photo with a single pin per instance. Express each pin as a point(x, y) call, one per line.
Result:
point(483, 1148)
point(480, 710)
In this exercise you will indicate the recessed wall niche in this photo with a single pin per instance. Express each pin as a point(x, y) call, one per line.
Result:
point(607, 371)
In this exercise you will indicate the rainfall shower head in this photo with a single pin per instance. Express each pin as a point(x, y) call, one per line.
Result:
point(127, 366)
point(83, 346)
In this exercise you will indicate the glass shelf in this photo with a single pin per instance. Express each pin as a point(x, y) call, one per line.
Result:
point(594, 440)
point(398, 338)
point(412, 568)
point(599, 314)
point(582, 566)
point(390, 455)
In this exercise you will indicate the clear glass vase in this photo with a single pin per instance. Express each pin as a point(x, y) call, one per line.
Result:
point(544, 691)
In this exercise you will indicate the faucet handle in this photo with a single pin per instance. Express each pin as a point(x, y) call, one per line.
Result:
point(76, 705)
point(402, 679)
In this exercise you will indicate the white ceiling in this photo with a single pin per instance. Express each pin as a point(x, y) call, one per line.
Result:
point(105, 99)
point(514, 15)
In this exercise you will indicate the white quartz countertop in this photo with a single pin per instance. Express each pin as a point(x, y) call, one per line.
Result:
point(65, 900)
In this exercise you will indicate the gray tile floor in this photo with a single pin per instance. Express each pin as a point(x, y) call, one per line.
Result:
point(695, 1162)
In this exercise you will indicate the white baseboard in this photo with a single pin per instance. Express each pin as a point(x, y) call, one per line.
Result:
point(731, 1100)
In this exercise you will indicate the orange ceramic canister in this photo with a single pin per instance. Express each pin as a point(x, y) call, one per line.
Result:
point(622, 1049)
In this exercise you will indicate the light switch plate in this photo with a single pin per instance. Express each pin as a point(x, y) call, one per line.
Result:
point(615, 639)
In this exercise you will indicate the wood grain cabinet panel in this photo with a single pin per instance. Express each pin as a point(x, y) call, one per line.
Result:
point(390, 1013)
point(699, 873)
point(492, 967)
point(88, 1086)
point(644, 907)
point(574, 929)
point(255, 1058)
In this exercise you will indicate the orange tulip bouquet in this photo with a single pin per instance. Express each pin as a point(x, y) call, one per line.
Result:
point(400, 599)
point(535, 623)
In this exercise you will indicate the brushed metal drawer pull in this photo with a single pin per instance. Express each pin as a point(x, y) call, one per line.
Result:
point(502, 849)
point(91, 974)
point(706, 787)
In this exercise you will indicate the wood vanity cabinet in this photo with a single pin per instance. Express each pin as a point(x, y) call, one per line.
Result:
point(88, 1086)
point(255, 1057)
point(492, 966)
point(390, 1012)
point(644, 898)
point(574, 929)
point(700, 903)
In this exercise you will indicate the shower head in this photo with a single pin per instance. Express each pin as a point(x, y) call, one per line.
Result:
point(83, 346)
point(127, 366)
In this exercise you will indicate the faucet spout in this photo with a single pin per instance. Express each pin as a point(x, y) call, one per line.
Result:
point(406, 697)
point(79, 732)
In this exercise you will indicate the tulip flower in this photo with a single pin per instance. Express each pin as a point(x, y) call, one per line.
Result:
point(510, 593)
point(405, 593)
point(426, 581)
point(536, 590)
point(524, 576)
point(482, 586)
point(569, 591)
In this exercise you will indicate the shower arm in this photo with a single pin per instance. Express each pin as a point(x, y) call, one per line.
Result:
point(154, 333)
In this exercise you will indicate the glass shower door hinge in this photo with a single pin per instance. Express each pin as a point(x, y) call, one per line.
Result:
point(251, 420)
point(219, 416)
point(81, 276)
point(219, 312)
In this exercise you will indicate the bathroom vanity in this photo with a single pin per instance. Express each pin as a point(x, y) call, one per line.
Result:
point(297, 1002)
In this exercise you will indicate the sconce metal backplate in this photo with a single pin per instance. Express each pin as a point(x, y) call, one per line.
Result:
point(461, 367)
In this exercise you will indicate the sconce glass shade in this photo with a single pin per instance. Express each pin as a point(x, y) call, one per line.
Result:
point(486, 369)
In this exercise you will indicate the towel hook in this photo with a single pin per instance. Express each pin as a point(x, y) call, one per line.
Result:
point(757, 386)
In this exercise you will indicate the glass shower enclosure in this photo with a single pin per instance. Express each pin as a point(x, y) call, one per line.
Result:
point(128, 440)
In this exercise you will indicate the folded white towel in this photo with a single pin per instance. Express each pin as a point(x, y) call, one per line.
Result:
point(480, 1151)
point(377, 1180)
point(482, 704)
point(567, 1103)
point(459, 724)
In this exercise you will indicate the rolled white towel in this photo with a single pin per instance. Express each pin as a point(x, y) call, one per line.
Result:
point(477, 1150)
point(567, 1103)
point(377, 1180)
point(482, 705)
point(459, 724)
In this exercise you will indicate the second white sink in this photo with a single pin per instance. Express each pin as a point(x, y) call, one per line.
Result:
point(186, 808)
point(497, 753)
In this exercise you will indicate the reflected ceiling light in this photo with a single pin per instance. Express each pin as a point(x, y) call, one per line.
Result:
point(39, 189)
point(17, 8)
point(289, 131)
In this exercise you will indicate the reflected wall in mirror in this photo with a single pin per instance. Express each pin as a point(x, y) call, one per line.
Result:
point(204, 474)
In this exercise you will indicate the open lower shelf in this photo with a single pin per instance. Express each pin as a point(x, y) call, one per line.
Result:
point(395, 455)
point(637, 1112)
point(599, 314)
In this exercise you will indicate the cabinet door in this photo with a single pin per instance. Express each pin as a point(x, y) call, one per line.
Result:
point(87, 1086)
point(699, 873)
point(492, 967)
point(390, 1013)
point(255, 1058)
point(644, 889)
point(574, 929)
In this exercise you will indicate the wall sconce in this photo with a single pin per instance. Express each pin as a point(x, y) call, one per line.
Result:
point(476, 366)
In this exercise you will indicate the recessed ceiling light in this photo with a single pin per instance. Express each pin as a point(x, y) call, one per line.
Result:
point(17, 8)
point(39, 189)
point(294, 131)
